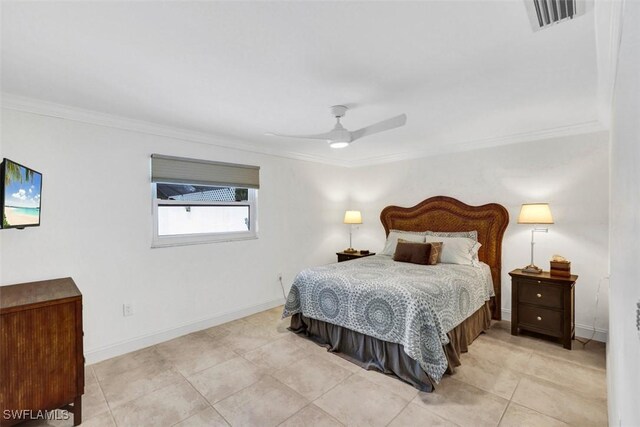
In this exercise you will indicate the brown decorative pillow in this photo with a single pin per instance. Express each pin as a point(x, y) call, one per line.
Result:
point(433, 257)
point(415, 253)
point(436, 252)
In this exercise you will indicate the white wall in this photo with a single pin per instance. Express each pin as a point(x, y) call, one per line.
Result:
point(623, 358)
point(96, 228)
point(96, 222)
point(570, 173)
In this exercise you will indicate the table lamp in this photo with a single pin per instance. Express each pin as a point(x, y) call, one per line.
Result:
point(535, 213)
point(351, 217)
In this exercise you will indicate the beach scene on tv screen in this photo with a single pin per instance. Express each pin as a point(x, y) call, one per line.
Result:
point(21, 196)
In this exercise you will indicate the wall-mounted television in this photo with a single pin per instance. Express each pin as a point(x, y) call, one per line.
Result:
point(20, 197)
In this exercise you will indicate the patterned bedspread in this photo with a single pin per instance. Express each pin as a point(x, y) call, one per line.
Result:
point(409, 304)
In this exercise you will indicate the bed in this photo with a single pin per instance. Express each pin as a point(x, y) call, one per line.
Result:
point(407, 320)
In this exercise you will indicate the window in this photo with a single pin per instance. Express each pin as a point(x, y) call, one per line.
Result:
point(197, 201)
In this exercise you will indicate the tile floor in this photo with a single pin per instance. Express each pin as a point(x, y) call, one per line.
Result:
point(253, 372)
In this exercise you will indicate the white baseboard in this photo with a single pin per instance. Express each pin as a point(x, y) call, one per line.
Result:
point(112, 350)
point(106, 352)
point(582, 331)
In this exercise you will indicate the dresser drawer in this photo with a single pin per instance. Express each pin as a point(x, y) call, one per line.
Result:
point(532, 292)
point(540, 318)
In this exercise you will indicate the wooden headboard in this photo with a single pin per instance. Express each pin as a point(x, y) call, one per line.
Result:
point(443, 213)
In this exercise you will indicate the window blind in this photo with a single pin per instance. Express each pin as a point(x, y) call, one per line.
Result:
point(192, 171)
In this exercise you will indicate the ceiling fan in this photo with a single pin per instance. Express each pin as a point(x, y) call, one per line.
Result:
point(339, 137)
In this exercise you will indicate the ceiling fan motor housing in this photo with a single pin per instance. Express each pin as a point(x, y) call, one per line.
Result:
point(339, 111)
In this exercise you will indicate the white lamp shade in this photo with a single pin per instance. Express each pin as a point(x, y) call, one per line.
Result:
point(535, 213)
point(352, 217)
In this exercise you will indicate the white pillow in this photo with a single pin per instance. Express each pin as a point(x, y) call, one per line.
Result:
point(473, 234)
point(457, 250)
point(394, 235)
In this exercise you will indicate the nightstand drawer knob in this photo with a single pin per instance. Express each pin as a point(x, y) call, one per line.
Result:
point(539, 318)
point(539, 295)
point(539, 281)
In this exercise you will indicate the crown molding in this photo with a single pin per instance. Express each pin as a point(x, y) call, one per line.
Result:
point(456, 147)
point(50, 109)
point(45, 108)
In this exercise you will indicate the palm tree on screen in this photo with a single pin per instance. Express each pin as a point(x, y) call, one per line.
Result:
point(12, 173)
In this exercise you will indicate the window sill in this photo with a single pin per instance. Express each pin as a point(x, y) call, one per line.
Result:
point(170, 242)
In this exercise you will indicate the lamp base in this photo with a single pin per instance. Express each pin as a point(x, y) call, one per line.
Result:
point(350, 251)
point(532, 269)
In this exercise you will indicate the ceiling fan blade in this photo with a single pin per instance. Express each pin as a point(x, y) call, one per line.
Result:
point(394, 122)
point(322, 136)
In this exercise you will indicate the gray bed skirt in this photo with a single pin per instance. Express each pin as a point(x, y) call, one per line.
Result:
point(387, 357)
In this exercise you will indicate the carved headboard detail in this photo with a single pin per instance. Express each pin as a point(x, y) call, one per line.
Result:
point(443, 213)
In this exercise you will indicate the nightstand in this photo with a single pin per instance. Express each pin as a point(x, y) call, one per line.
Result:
point(344, 256)
point(544, 304)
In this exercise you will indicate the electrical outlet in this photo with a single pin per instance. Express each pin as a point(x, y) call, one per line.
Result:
point(127, 309)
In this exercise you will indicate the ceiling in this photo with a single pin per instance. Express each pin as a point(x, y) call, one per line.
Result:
point(466, 73)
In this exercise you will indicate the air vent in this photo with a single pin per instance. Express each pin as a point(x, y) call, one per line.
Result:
point(544, 13)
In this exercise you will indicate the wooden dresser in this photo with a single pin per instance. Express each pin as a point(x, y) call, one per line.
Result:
point(41, 356)
point(544, 304)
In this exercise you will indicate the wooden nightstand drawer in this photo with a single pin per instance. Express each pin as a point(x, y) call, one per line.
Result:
point(539, 293)
point(544, 304)
point(540, 319)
